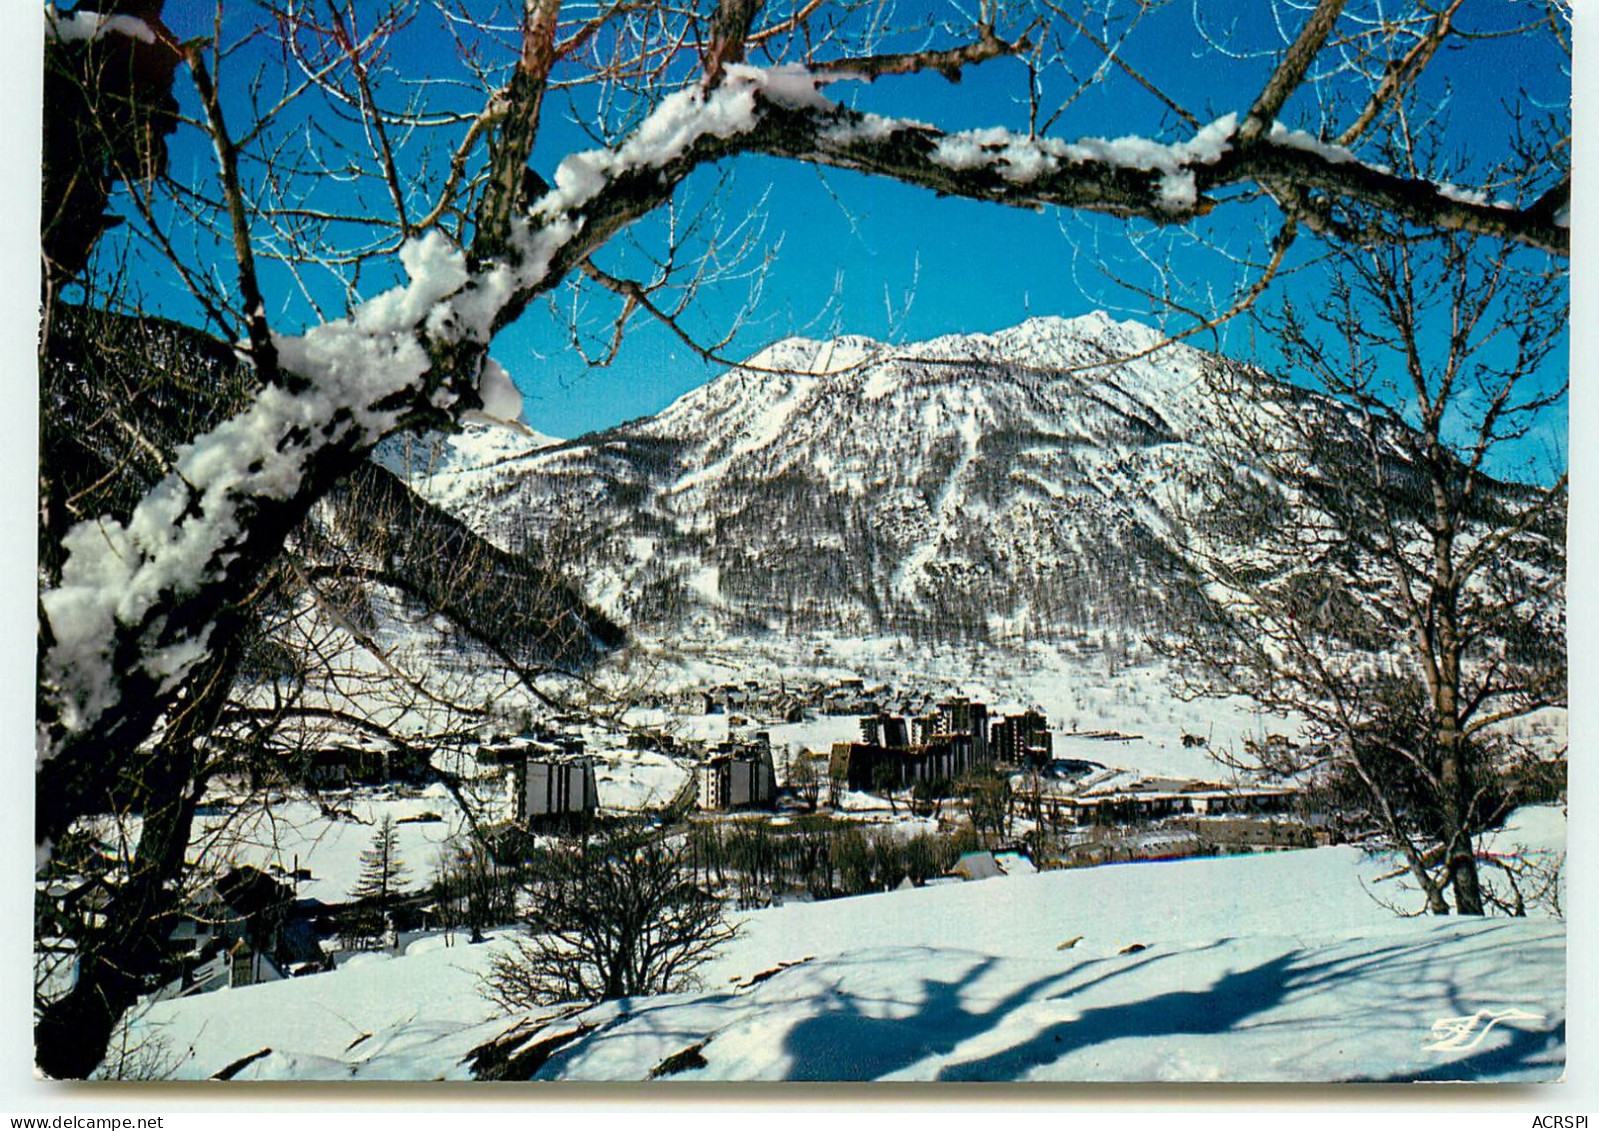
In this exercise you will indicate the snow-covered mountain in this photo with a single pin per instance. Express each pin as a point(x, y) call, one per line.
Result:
point(1041, 479)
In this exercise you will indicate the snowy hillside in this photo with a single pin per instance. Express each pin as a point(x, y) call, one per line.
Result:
point(1277, 967)
point(1051, 477)
point(965, 485)
point(457, 466)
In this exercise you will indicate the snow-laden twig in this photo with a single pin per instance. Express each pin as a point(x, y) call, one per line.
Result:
point(122, 620)
point(137, 603)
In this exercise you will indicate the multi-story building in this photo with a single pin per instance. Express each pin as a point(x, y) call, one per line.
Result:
point(738, 776)
point(868, 767)
point(556, 787)
point(549, 779)
point(957, 718)
point(1023, 739)
point(885, 730)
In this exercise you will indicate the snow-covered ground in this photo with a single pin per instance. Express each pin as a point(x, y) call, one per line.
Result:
point(634, 780)
point(1121, 714)
point(1273, 967)
point(1125, 721)
point(1084, 697)
point(327, 839)
point(1070, 680)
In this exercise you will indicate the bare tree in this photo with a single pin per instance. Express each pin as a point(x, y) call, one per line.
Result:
point(476, 891)
point(805, 780)
point(1371, 574)
point(990, 803)
point(309, 671)
point(363, 234)
point(616, 916)
point(112, 663)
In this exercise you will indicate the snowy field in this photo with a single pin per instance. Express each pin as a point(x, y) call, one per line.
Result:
point(630, 781)
point(1276, 967)
point(328, 838)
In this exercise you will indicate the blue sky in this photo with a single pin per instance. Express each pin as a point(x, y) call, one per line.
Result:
point(869, 256)
point(852, 254)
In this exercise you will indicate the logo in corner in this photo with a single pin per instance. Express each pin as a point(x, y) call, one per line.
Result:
point(1458, 1034)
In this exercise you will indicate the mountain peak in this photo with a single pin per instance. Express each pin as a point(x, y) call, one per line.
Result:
point(850, 353)
point(978, 380)
point(1041, 480)
point(1096, 326)
point(812, 356)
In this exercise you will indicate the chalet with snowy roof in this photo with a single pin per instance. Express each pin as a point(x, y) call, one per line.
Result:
point(989, 865)
point(241, 929)
point(537, 743)
point(360, 763)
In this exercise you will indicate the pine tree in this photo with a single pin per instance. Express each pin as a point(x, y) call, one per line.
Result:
point(382, 871)
point(365, 922)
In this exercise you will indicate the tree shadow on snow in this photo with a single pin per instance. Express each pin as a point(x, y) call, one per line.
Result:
point(844, 1042)
point(1542, 1051)
point(848, 1040)
point(1233, 998)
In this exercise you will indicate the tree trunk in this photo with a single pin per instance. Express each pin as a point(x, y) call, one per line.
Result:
point(119, 962)
point(1455, 779)
point(1462, 859)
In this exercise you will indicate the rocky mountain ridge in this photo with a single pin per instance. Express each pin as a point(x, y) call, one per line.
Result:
point(1047, 478)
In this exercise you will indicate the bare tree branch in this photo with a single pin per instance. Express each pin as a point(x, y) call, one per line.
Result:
point(1290, 72)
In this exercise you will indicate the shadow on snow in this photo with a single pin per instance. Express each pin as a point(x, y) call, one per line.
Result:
point(847, 1040)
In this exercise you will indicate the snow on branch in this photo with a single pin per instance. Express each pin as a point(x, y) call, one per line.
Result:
point(137, 604)
point(1140, 177)
point(86, 27)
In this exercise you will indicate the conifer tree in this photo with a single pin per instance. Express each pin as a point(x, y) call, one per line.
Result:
point(383, 873)
point(365, 923)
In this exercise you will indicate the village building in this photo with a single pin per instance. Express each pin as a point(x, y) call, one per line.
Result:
point(360, 763)
point(958, 722)
point(550, 779)
point(250, 967)
point(658, 741)
point(1153, 800)
point(990, 865)
point(555, 787)
point(243, 929)
point(868, 767)
point(737, 775)
point(885, 730)
point(954, 732)
point(1022, 740)
point(960, 717)
point(240, 965)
